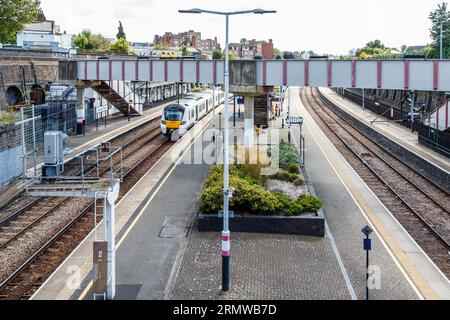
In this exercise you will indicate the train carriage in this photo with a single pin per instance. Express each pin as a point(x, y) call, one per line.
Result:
point(180, 117)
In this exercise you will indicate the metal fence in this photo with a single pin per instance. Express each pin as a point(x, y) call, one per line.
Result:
point(435, 139)
point(22, 142)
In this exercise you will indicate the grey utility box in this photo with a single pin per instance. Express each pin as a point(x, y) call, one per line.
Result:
point(54, 152)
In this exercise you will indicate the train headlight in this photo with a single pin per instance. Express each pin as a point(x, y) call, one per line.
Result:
point(163, 122)
point(183, 123)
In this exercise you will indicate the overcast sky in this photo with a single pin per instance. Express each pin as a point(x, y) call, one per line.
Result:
point(325, 26)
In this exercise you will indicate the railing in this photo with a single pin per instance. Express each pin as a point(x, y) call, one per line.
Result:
point(84, 172)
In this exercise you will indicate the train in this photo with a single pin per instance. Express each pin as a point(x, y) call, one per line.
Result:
point(181, 116)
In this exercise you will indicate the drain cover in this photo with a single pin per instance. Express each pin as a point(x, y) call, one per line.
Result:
point(173, 227)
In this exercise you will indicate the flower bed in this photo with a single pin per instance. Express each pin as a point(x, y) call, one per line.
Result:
point(256, 208)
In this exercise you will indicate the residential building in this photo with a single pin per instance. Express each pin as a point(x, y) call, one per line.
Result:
point(248, 49)
point(207, 46)
point(169, 39)
point(264, 49)
point(189, 38)
point(44, 34)
point(235, 49)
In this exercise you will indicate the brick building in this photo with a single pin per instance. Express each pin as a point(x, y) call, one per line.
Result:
point(248, 49)
point(189, 38)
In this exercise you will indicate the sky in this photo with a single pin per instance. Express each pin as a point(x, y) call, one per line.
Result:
point(324, 26)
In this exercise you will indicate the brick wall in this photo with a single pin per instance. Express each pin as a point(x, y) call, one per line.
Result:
point(46, 71)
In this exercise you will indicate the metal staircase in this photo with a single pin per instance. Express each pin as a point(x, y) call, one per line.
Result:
point(114, 98)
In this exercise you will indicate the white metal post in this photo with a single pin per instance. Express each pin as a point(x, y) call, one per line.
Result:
point(442, 41)
point(214, 105)
point(110, 236)
point(24, 147)
point(34, 141)
point(226, 247)
point(412, 110)
point(289, 113)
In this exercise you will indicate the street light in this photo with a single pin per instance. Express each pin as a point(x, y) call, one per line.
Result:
point(442, 40)
point(226, 256)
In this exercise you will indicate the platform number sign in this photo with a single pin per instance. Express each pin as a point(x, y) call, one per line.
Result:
point(367, 244)
point(295, 121)
point(367, 231)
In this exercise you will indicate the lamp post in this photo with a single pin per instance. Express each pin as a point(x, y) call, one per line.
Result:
point(226, 256)
point(442, 41)
point(69, 54)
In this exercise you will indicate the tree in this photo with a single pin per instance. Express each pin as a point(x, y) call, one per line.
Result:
point(218, 55)
point(404, 49)
point(121, 34)
point(377, 50)
point(85, 40)
point(184, 51)
point(121, 46)
point(276, 52)
point(440, 15)
point(288, 56)
point(99, 42)
point(376, 44)
point(14, 15)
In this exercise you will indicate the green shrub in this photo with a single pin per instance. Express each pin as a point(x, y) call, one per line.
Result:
point(288, 154)
point(251, 180)
point(310, 203)
point(8, 117)
point(290, 208)
point(249, 197)
point(250, 170)
point(293, 168)
point(288, 177)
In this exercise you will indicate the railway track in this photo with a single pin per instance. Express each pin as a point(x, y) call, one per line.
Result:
point(16, 222)
point(141, 150)
point(417, 203)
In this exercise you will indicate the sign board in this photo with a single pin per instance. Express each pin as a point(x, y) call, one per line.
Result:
point(367, 244)
point(101, 109)
point(295, 121)
point(240, 100)
point(100, 268)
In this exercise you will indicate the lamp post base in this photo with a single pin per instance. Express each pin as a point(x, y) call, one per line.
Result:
point(226, 273)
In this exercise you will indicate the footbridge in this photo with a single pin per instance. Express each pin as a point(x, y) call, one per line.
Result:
point(428, 75)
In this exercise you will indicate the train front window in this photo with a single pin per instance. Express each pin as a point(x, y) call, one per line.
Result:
point(174, 113)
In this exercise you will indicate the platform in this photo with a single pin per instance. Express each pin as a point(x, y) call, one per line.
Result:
point(349, 204)
point(394, 131)
point(161, 256)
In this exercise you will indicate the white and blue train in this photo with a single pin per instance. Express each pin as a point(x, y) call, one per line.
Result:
point(182, 116)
